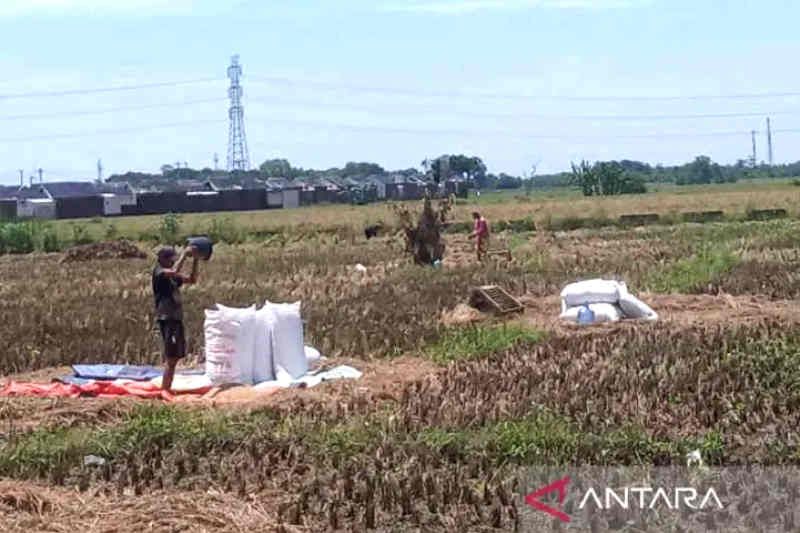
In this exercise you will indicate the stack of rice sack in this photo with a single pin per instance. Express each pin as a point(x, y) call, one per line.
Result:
point(252, 345)
point(609, 300)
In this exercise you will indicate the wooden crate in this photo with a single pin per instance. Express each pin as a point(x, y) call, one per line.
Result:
point(495, 299)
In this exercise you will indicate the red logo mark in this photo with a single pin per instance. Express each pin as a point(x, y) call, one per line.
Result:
point(532, 499)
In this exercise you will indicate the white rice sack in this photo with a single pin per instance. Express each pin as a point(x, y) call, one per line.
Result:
point(245, 340)
point(603, 312)
point(633, 307)
point(591, 291)
point(288, 351)
point(263, 364)
point(221, 336)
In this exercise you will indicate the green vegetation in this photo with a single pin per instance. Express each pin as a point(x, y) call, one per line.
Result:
point(59, 448)
point(169, 229)
point(27, 237)
point(606, 179)
point(544, 438)
point(473, 342)
point(224, 229)
point(694, 274)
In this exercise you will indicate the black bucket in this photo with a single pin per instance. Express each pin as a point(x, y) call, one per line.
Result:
point(203, 245)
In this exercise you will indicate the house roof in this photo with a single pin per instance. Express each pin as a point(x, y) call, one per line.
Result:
point(276, 184)
point(32, 193)
point(7, 192)
point(71, 189)
point(67, 189)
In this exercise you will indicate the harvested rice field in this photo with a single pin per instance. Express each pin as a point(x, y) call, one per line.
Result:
point(454, 406)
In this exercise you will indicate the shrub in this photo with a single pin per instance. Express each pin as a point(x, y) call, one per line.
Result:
point(111, 232)
point(17, 238)
point(225, 230)
point(50, 241)
point(168, 228)
point(80, 235)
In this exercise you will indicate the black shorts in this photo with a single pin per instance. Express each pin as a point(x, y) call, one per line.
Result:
point(174, 338)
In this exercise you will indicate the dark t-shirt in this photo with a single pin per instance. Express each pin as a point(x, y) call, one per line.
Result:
point(167, 294)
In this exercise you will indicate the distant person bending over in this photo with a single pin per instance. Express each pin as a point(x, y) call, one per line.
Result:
point(167, 282)
point(481, 234)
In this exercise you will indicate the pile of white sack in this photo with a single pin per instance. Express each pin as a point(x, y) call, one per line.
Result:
point(608, 300)
point(250, 345)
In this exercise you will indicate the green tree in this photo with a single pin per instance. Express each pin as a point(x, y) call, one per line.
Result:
point(277, 168)
point(584, 177)
point(606, 178)
point(352, 169)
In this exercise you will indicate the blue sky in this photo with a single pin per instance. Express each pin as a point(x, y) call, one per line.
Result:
point(517, 82)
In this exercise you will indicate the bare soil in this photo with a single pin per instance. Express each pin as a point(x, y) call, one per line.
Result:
point(103, 250)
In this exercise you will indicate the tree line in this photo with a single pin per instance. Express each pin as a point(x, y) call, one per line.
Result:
point(598, 178)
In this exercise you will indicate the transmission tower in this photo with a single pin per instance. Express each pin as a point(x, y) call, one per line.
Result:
point(238, 158)
point(753, 160)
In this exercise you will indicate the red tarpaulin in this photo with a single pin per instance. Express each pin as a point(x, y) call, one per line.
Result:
point(99, 389)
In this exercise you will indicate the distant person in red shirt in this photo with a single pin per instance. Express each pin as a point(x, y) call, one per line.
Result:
point(481, 234)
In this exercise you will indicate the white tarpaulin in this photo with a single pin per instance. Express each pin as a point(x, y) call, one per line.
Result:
point(312, 379)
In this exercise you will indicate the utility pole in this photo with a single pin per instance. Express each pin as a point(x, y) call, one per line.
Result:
point(753, 159)
point(769, 141)
point(21, 178)
point(99, 171)
point(41, 180)
point(216, 161)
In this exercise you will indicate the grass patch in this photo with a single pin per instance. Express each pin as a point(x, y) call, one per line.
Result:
point(694, 273)
point(59, 449)
point(351, 437)
point(545, 438)
point(474, 342)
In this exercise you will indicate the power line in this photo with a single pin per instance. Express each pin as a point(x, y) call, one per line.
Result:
point(404, 91)
point(361, 107)
point(393, 130)
point(543, 116)
point(109, 131)
point(87, 112)
point(98, 90)
point(496, 96)
point(505, 134)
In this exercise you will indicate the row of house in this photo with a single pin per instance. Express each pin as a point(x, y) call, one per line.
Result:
point(90, 199)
